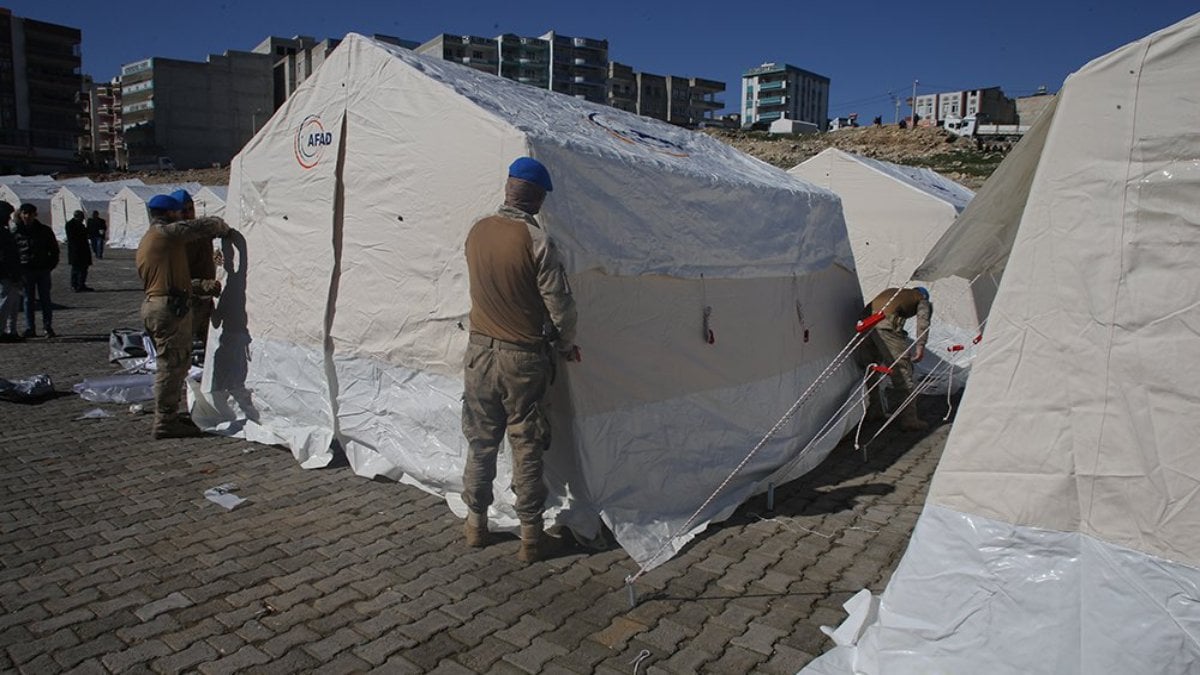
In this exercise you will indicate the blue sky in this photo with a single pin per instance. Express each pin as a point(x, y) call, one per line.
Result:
point(868, 50)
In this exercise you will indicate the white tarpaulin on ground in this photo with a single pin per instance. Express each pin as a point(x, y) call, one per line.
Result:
point(1062, 528)
point(87, 198)
point(349, 292)
point(894, 214)
point(128, 215)
point(210, 201)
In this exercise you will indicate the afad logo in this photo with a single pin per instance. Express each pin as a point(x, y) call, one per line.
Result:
point(311, 141)
point(627, 133)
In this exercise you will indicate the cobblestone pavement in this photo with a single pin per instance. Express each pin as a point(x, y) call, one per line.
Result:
point(111, 560)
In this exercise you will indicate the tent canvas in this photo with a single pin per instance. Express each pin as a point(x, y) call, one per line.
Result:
point(210, 201)
point(1061, 529)
point(128, 215)
point(37, 193)
point(894, 214)
point(349, 293)
point(86, 198)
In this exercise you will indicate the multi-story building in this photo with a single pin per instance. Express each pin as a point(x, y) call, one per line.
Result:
point(39, 81)
point(102, 143)
point(297, 58)
point(579, 66)
point(195, 113)
point(933, 109)
point(775, 91)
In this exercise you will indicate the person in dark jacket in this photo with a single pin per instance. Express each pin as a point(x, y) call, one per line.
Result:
point(10, 278)
point(38, 251)
point(97, 230)
point(79, 252)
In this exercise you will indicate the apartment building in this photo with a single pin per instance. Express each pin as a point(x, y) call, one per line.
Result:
point(195, 113)
point(579, 66)
point(101, 144)
point(776, 91)
point(40, 78)
point(933, 109)
point(298, 57)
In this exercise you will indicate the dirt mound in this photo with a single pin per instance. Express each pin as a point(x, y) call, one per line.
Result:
point(957, 158)
point(210, 177)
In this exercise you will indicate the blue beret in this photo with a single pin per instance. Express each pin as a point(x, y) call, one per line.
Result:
point(164, 203)
point(923, 291)
point(529, 169)
point(181, 196)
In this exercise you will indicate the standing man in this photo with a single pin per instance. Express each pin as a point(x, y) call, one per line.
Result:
point(522, 317)
point(887, 344)
point(202, 267)
point(79, 252)
point(10, 278)
point(166, 311)
point(97, 230)
point(38, 250)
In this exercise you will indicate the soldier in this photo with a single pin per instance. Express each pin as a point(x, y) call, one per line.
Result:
point(887, 345)
point(522, 317)
point(163, 267)
point(202, 267)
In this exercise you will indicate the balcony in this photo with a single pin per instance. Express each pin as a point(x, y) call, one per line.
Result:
point(473, 61)
point(588, 43)
point(772, 86)
point(769, 116)
point(772, 100)
point(539, 80)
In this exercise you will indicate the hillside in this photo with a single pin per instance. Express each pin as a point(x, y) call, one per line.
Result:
point(956, 158)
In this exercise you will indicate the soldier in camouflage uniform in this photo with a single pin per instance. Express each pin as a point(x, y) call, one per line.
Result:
point(522, 317)
point(888, 341)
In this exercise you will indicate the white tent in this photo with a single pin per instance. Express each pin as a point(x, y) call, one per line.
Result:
point(128, 216)
point(1062, 529)
point(894, 215)
point(37, 192)
point(87, 198)
point(17, 178)
point(349, 293)
point(210, 201)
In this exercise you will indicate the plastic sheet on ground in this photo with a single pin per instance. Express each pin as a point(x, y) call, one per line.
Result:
point(32, 388)
point(117, 388)
point(223, 496)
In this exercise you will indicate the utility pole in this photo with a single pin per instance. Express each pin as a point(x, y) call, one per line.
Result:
point(896, 100)
point(913, 106)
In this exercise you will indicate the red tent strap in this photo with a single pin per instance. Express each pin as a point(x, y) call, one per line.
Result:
point(955, 348)
point(884, 370)
point(868, 323)
point(977, 339)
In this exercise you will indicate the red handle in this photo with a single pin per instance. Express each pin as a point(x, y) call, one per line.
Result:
point(880, 369)
point(977, 339)
point(868, 323)
point(955, 348)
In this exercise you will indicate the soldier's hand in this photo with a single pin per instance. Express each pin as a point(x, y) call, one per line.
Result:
point(918, 353)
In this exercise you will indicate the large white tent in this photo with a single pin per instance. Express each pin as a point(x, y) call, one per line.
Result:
point(87, 198)
point(37, 192)
point(1062, 529)
point(712, 288)
point(210, 201)
point(894, 215)
point(128, 215)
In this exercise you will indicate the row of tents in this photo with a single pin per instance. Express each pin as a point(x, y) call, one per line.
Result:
point(717, 296)
point(122, 203)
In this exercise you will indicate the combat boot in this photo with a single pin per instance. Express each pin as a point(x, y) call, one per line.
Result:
point(531, 543)
point(910, 420)
point(174, 426)
point(475, 529)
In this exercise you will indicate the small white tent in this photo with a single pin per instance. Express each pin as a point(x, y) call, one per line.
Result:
point(1062, 529)
point(86, 198)
point(894, 215)
point(128, 216)
point(210, 201)
point(712, 288)
point(37, 192)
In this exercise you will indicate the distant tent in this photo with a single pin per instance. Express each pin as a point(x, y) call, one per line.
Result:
point(128, 216)
point(1062, 529)
point(894, 214)
point(210, 201)
point(87, 198)
point(37, 192)
point(713, 290)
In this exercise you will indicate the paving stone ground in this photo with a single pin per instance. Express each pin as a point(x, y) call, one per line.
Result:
point(111, 559)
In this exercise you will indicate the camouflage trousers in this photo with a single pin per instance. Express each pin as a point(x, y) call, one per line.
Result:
point(202, 309)
point(503, 388)
point(884, 346)
point(172, 336)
